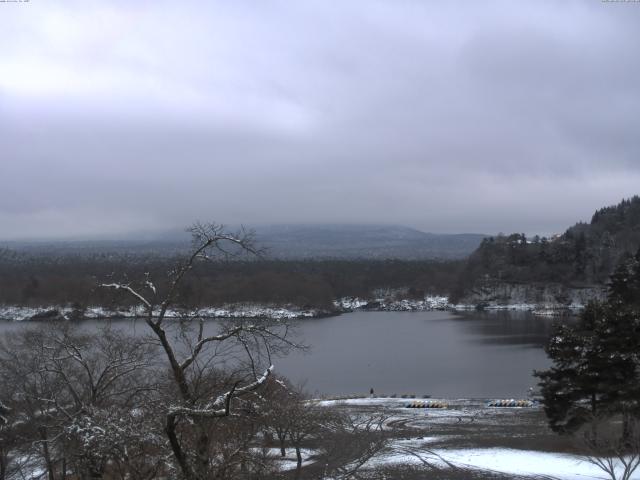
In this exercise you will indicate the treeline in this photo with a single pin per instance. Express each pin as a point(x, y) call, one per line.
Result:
point(75, 280)
point(585, 254)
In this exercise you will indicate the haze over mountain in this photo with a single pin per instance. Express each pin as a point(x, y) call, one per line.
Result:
point(358, 241)
point(287, 242)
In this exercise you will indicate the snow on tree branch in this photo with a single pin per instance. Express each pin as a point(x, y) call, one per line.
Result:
point(130, 290)
point(220, 406)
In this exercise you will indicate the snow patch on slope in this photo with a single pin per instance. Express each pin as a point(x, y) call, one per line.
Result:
point(509, 461)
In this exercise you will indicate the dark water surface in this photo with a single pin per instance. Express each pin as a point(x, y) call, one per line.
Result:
point(437, 353)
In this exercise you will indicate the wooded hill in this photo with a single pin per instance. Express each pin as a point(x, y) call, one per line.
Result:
point(586, 254)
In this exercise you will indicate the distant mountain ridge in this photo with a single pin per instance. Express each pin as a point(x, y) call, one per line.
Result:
point(363, 241)
point(288, 242)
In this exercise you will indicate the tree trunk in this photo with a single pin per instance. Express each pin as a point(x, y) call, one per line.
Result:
point(96, 472)
point(45, 453)
point(594, 426)
point(299, 464)
point(202, 453)
point(283, 451)
point(178, 373)
point(3, 464)
point(626, 427)
point(170, 429)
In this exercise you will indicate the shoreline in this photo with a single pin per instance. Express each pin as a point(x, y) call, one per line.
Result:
point(20, 313)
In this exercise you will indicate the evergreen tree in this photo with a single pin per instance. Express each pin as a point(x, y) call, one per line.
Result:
point(596, 363)
point(624, 286)
point(622, 338)
point(572, 387)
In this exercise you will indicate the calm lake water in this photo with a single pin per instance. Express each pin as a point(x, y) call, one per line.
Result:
point(436, 353)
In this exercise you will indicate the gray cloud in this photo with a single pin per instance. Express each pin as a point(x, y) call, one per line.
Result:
point(445, 116)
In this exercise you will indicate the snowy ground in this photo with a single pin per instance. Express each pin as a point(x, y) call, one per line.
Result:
point(504, 460)
point(290, 460)
point(470, 435)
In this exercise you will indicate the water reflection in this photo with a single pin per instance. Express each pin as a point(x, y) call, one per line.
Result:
point(508, 327)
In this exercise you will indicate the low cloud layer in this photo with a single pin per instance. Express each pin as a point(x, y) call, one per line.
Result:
point(445, 116)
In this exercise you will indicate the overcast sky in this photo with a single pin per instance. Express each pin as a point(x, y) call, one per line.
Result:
point(477, 116)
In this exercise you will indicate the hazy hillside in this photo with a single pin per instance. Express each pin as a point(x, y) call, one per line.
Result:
point(356, 241)
point(287, 242)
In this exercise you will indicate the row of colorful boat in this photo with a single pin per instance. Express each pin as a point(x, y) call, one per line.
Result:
point(429, 404)
point(511, 403)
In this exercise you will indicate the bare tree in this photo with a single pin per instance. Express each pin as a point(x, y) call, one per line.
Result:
point(279, 400)
point(87, 406)
point(351, 441)
point(8, 440)
point(73, 392)
point(613, 447)
point(191, 421)
point(307, 420)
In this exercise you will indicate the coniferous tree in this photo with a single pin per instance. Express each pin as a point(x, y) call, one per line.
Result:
point(596, 363)
point(572, 387)
point(621, 340)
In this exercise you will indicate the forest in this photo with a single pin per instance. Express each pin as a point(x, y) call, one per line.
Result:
point(25, 280)
point(585, 254)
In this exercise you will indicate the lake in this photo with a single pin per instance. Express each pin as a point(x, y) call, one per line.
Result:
point(435, 353)
point(442, 354)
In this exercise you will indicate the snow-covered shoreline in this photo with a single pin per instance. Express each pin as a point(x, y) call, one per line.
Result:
point(348, 304)
point(429, 303)
point(276, 312)
point(55, 312)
